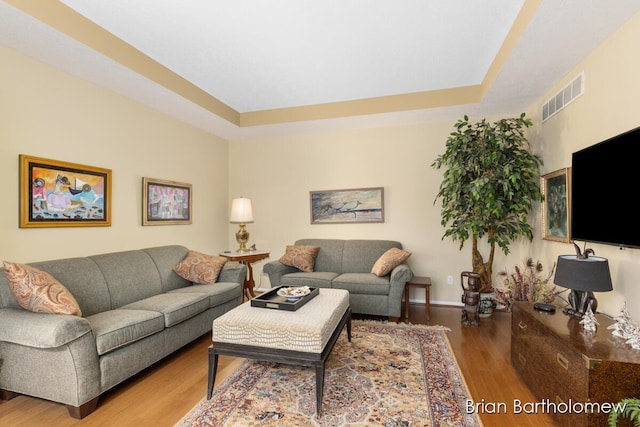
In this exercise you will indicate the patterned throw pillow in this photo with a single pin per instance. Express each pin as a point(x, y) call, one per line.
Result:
point(389, 260)
point(301, 257)
point(200, 268)
point(38, 291)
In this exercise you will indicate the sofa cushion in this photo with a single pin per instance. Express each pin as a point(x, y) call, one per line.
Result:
point(165, 258)
point(329, 256)
point(301, 257)
point(217, 293)
point(38, 291)
point(117, 328)
point(130, 276)
point(389, 260)
point(362, 283)
point(359, 256)
point(175, 307)
point(200, 268)
point(317, 279)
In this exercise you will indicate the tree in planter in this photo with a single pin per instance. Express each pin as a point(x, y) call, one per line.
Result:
point(488, 188)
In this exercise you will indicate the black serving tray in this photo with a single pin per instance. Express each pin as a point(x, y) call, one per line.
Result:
point(272, 300)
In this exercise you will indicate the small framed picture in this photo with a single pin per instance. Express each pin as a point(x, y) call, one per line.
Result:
point(556, 207)
point(55, 193)
point(165, 202)
point(347, 206)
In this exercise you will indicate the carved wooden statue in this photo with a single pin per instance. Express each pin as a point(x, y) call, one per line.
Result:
point(470, 298)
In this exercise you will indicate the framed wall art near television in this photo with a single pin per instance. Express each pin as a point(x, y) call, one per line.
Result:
point(556, 207)
point(166, 202)
point(358, 205)
point(55, 193)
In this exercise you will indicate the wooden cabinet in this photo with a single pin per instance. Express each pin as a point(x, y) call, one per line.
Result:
point(570, 370)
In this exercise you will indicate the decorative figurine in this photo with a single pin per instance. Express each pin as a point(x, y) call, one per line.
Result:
point(589, 322)
point(470, 298)
point(624, 325)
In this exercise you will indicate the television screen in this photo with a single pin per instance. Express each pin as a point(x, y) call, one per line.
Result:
point(605, 198)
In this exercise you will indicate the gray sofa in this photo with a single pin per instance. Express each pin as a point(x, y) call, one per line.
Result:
point(135, 309)
point(347, 264)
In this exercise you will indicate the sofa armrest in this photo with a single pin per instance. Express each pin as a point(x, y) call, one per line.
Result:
point(233, 272)
point(39, 329)
point(397, 281)
point(401, 274)
point(275, 270)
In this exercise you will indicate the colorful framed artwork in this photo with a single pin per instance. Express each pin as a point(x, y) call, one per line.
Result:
point(54, 193)
point(358, 205)
point(556, 207)
point(166, 202)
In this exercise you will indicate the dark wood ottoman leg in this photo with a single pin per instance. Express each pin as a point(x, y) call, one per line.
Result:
point(319, 388)
point(213, 369)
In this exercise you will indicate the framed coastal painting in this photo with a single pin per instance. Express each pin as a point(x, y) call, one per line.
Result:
point(55, 193)
point(556, 206)
point(166, 202)
point(357, 205)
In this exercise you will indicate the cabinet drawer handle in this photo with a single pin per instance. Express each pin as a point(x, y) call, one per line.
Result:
point(522, 325)
point(522, 359)
point(562, 361)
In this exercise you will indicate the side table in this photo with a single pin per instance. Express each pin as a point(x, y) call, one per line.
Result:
point(247, 258)
point(418, 282)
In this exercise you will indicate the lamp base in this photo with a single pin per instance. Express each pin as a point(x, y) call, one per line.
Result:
point(242, 237)
point(581, 301)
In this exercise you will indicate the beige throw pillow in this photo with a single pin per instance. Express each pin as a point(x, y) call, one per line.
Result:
point(389, 260)
point(301, 257)
point(200, 268)
point(38, 291)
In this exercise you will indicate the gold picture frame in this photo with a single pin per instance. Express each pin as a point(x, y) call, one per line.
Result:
point(166, 202)
point(556, 206)
point(55, 193)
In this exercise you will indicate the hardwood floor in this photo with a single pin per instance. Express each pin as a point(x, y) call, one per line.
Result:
point(164, 393)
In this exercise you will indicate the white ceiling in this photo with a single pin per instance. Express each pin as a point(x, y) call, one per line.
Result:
point(256, 55)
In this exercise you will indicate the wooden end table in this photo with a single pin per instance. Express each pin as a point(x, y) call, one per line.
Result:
point(247, 258)
point(418, 282)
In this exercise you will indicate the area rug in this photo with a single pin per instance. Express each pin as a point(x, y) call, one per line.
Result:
point(388, 375)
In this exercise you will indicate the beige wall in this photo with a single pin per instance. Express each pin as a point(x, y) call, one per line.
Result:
point(50, 114)
point(47, 113)
point(278, 174)
point(610, 105)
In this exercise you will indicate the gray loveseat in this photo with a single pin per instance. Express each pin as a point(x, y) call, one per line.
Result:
point(135, 309)
point(347, 264)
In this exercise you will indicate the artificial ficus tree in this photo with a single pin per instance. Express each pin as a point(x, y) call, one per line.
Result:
point(489, 185)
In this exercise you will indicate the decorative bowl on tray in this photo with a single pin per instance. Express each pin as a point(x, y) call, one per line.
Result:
point(294, 293)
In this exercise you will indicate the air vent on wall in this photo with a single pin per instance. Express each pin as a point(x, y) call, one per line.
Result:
point(564, 97)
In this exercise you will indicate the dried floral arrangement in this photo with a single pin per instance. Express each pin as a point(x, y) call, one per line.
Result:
point(526, 283)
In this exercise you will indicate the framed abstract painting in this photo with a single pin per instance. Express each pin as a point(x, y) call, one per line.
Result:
point(55, 193)
point(165, 202)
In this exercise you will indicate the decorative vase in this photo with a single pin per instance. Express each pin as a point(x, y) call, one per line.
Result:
point(487, 304)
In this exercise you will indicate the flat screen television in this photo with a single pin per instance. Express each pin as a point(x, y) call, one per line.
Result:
point(605, 198)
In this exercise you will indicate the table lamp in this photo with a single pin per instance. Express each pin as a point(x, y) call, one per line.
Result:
point(241, 213)
point(583, 276)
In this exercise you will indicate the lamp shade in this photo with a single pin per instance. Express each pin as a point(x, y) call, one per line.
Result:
point(241, 211)
point(589, 274)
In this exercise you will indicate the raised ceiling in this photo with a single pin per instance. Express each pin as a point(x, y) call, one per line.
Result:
point(252, 67)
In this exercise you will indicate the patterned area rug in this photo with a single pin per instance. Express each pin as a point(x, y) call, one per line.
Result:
point(388, 375)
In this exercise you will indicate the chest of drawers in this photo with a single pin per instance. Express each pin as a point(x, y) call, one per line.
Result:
point(568, 367)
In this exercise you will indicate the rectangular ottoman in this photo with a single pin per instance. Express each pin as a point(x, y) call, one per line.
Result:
point(304, 337)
